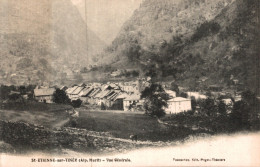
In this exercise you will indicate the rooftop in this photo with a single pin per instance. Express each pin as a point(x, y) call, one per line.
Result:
point(177, 99)
point(44, 92)
point(133, 97)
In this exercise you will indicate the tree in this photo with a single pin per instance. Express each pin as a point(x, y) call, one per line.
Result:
point(253, 105)
point(222, 108)
point(193, 103)
point(155, 100)
point(150, 71)
point(133, 51)
point(5, 91)
point(208, 107)
point(174, 87)
point(14, 96)
point(61, 97)
point(76, 103)
point(184, 95)
point(240, 115)
point(249, 97)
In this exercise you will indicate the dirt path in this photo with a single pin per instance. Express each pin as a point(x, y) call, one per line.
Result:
point(61, 123)
point(138, 142)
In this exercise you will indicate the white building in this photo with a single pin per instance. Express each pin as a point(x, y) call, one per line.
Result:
point(177, 105)
point(196, 95)
point(228, 101)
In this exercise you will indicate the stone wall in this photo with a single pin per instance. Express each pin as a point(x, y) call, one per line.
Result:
point(24, 135)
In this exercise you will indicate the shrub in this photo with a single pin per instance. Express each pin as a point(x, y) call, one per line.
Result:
point(183, 94)
point(240, 115)
point(208, 107)
point(103, 107)
point(73, 123)
point(206, 29)
point(76, 103)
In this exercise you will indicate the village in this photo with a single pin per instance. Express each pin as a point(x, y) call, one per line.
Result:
point(129, 83)
point(124, 96)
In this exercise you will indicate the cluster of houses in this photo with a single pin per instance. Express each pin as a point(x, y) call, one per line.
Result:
point(115, 96)
point(124, 96)
point(108, 96)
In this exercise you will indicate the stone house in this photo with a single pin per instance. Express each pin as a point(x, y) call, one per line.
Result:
point(131, 87)
point(44, 95)
point(131, 100)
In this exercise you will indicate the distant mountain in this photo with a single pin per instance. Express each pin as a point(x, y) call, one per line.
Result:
point(39, 40)
point(106, 17)
point(194, 42)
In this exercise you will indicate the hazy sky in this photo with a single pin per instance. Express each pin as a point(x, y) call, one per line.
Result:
point(105, 17)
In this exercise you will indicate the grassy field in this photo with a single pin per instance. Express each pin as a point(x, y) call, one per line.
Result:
point(123, 125)
point(48, 115)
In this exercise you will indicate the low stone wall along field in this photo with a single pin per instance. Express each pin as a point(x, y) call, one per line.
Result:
point(26, 136)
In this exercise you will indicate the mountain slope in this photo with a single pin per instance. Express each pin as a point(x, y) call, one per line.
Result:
point(158, 21)
point(216, 43)
point(41, 39)
point(229, 54)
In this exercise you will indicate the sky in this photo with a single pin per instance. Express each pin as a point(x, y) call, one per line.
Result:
point(106, 17)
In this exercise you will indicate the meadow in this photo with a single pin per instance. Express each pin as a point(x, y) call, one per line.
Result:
point(124, 124)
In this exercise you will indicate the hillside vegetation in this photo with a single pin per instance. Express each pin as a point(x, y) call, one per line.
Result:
point(197, 43)
point(156, 22)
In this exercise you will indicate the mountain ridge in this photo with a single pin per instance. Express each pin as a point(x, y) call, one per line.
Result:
point(40, 34)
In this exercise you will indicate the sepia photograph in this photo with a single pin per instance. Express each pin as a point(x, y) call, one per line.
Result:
point(129, 83)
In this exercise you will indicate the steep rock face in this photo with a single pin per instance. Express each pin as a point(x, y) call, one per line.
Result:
point(41, 39)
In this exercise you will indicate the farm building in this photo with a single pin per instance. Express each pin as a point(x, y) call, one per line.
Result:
point(132, 100)
point(118, 102)
point(44, 95)
point(177, 105)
